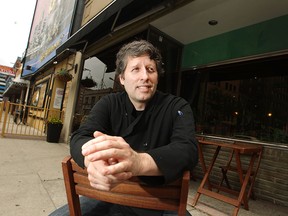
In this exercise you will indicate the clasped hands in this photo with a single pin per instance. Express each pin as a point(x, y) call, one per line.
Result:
point(110, 160)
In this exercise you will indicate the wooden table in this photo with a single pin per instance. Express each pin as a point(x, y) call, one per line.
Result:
point(252, 150)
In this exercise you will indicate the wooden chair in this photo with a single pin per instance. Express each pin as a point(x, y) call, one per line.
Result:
point(130, 193)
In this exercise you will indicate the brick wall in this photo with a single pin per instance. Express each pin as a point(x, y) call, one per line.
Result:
point(271, 181)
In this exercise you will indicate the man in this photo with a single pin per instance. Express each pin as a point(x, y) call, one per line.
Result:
point(138, 132)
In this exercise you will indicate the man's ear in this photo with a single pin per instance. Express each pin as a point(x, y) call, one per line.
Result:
point(121, 79)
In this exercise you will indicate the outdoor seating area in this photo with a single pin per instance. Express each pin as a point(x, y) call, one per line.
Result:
point(23, 174)
point(173, 105)
point(246, 176)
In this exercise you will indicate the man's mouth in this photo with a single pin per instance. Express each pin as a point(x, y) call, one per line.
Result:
point(145, 87)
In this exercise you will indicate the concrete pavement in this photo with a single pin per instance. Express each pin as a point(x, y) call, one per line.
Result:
point(31, 177)
point(32, 183)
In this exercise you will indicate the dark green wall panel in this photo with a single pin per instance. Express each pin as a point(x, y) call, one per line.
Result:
point(260, 38)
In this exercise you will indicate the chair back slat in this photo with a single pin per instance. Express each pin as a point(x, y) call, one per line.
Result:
point(130, 200)
point(132, 193)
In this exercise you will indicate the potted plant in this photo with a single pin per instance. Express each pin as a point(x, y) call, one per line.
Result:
point(64, 75)
point(88, 82)
point(54, 127)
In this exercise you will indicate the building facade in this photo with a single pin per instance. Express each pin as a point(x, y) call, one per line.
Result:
point(5, 73)
point(230, 67)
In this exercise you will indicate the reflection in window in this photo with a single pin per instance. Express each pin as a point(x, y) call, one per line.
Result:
point(248, 102)
point(104, 75)
point(38, 97)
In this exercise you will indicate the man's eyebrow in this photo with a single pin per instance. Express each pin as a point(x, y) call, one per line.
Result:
point(134, 65)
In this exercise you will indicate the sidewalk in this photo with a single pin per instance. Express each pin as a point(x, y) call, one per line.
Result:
point(32, 183)
point(31, 177)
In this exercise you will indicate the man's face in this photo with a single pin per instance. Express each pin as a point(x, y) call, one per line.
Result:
point(140, 80)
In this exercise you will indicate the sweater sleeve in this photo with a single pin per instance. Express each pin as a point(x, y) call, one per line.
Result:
point(181, 153)
point(98, 120)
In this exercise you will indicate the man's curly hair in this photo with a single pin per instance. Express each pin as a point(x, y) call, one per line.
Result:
point(136, 49)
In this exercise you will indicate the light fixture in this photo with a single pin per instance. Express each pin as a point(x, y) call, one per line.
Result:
point(269, 114)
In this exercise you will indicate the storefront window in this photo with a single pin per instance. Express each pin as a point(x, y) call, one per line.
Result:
point(245, 101)
point(39, 94)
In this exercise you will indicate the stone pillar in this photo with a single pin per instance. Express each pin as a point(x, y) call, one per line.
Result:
point(71, 103)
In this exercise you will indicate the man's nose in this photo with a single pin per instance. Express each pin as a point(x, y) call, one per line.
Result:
point(144, 73)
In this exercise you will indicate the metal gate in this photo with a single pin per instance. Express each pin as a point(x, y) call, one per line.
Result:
point(18, 120)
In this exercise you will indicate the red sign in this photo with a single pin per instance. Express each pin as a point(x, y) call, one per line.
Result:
point(6, 70)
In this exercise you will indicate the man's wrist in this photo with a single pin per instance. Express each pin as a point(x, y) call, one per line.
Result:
point(147, 165)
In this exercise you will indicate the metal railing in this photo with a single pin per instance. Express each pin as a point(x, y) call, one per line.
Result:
point(22, 120)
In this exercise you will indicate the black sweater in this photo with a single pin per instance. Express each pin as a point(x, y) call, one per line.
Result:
point(165, 130)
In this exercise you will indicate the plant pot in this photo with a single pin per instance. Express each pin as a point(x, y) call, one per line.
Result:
point(88, 83)
point(53, 132)
point(65, 77)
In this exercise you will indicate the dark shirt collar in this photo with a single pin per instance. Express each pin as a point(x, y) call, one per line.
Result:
point(130, 109)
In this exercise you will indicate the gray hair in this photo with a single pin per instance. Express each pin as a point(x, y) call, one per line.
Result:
point(136, 49)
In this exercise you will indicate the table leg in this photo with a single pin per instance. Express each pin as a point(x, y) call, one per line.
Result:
point(243, 195)
point(235, 212)
point(206, 176)
point(240, 173)
point(201, 158)
point(203, 165)
point(224, 170)
point(258, 157)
